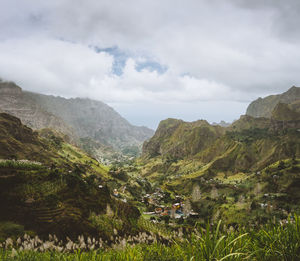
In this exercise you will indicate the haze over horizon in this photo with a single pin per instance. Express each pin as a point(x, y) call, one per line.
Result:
point(152, 60)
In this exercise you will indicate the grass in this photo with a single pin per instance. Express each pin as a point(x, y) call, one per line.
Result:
point(270, 242)
point(75, 155)
point(21, 164)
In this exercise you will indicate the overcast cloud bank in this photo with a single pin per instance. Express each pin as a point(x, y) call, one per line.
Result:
point(216, 56)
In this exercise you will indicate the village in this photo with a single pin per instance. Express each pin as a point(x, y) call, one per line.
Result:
point(177, 210)
point(160, 207)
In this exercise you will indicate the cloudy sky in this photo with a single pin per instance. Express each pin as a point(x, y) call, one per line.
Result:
point(151, 59)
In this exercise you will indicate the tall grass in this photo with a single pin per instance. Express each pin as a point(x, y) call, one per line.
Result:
point(276, 242)
point(21, 164)
point(271, 242)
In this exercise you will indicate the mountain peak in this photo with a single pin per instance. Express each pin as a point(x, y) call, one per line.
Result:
point(7, 88)
point(293, 91)
point(76, 117)
point(263, 107)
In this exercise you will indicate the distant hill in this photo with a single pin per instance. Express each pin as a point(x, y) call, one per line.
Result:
point(178, 139)
point(222, 123)
point(95, 119)
point(263, 107)
point(78, 118)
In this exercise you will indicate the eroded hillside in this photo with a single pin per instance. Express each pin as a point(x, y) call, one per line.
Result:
point(49, 186)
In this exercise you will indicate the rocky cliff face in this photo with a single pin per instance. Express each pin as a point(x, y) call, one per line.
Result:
point(16, 102)
point(263, 107)
point(284, 112)
point(75, 117)
point(192, 149)
point(18, 141)
point(179, 139)
point(94, 119)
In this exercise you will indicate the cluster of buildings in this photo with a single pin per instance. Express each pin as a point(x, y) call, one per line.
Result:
point(176, 211)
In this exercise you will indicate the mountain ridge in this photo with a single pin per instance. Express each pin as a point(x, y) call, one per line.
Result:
point(76, 117)
point(248, 144)
point(263, 107)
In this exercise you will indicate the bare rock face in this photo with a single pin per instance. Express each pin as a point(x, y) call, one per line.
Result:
point(74, 117)
point(9, 89)
point(94, 119)
point(284, 112)
point(15, 102)
point(263, 107)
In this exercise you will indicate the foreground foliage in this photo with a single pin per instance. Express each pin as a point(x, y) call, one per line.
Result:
point(271, 242)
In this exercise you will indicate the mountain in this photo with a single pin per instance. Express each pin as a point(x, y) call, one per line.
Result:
point(95, 119)
point(75, 117)
point(192, 149)
point(245, 173)
point(263, 107)
point(18, 103)
point(285, 112)
point(17, 140)
point(49, 186)
point(221, 123)
point(179, 139)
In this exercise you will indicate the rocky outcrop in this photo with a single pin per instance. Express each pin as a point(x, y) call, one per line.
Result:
point(178, 139)
point(18, 141)
point(263, 107)
point(15, 102)
point(283, 112)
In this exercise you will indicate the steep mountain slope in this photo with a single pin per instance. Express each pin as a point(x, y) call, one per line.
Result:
point(245, 173)
point(263, 107)
point(15, 102)
point(94, 119)
point(178, 139)
point(189, 150)
point(75, 117)
point(18, 141)
point(50, 186)
point(285, 112)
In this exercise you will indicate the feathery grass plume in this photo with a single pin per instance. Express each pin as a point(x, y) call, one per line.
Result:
point(215, 242)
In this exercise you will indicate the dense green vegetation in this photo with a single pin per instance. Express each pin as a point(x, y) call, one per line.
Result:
point(166, 205)
point(247, 172)
point(213, 242)
point(61, 190)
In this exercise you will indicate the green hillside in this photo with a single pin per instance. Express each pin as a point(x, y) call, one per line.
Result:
point(49, 186)
point(190, 176)
point(226, 165)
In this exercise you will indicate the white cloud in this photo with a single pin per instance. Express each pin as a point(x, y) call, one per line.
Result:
point(213, 50)
point(69, 69)
point(52, 66)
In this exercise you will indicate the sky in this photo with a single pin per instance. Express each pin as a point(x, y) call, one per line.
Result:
point(151, 59)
